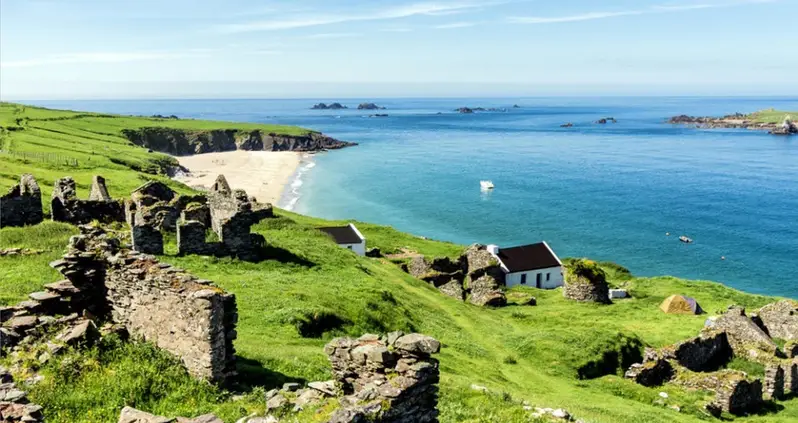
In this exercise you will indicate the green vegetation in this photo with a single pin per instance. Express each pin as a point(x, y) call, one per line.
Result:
point(556, 354)
point(54, 143)
point(772, 116)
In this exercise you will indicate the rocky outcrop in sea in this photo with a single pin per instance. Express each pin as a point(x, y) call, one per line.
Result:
point(331, 106)
point(736, 121)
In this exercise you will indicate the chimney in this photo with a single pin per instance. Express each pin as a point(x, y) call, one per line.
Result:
point(493, 249)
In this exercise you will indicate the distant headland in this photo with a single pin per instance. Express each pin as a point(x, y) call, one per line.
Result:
point(774, 121)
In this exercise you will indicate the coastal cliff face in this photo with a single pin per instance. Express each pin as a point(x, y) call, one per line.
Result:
point(183, 143)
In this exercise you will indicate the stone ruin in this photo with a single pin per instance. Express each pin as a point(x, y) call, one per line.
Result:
point(694, 363)
point(475, 276)
point(14, 404)
point(155, 208)
point(22, 205)
point(390, 379)
point(66, 207)
point(136, 294)
point(586, 282)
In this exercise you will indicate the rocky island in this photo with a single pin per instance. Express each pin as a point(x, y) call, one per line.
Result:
point(369, 106)
point(331, 106)
point(469, 110)
point(773, 121)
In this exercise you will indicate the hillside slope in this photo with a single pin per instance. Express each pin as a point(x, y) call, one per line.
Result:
point(556, 354)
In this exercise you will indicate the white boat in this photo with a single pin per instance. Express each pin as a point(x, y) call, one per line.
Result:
point(486, 185)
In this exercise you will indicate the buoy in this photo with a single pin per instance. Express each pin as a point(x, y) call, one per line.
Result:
point(723, 257)
point(667, 234)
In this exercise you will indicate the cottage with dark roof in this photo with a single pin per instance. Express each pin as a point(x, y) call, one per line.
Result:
point(533, 265)
point(347, 237)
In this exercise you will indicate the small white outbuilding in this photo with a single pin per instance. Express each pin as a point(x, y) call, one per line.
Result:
point(533, 265)
point(347, 237)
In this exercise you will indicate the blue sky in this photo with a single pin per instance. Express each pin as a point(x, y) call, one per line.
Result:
point(373, 48)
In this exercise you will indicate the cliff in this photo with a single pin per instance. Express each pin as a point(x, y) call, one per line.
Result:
point(181, 142)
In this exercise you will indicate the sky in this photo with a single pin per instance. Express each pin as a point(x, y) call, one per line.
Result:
point(75, 49)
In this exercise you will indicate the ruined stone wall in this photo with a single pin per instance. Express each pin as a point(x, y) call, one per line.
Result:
point(232, 216)
point(781, 319)
point(22, 205)
point(579, 289)
point(189, 317)
point(389, 379)
point(66, 207)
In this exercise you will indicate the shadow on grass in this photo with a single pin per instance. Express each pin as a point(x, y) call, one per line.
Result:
point(251, 374)
point(270, 252)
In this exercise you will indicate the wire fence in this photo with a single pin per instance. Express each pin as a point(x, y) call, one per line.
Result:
point(51, 158)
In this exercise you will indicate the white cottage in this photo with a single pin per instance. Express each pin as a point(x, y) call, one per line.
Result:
point(533, 265)
point(347, 237)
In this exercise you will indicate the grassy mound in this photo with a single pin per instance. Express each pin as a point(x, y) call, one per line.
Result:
point(559, 353)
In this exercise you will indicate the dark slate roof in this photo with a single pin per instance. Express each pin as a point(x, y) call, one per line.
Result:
point(528, 257)
point(342, 234)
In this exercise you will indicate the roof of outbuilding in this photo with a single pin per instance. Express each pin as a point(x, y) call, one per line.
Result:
point(343, 234)
point(528, 257)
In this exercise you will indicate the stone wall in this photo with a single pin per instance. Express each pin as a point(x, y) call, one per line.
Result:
point(389, 379)
point(191, 318)
point(22, 205)
point(66, 207)
point(585, 282)
point(703, 353)
point(781, 319)
point(774, 381)
point(232, 217)
point(745, 337)
point(14, 403)
point(475, 276)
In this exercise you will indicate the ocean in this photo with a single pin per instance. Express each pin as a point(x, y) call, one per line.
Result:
point(608, 192)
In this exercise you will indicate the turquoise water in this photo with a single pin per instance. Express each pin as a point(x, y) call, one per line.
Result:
point(610, 192)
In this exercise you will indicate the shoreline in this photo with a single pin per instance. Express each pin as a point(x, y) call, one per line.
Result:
point(291, 190)
point(265, 175)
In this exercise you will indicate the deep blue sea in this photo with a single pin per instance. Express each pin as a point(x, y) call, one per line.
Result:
point(609, 192)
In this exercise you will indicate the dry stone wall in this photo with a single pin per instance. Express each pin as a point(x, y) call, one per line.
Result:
point(14, 403)
point(389, 379)
point(781, 319)
point(191, 318)
point(66, 207)
point(22, 205)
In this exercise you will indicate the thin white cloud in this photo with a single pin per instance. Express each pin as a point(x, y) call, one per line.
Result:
point(652, 10)
point(102, 57)
point(396, 30)
point(333, 35)
point(454, 25)
point(396, 12)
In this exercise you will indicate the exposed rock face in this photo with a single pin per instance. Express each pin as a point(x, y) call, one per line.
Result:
point(14, 404)
point(586, 282)
point(331, 106)
point(369, 106)
point(745, 337)
point(182, 143)
point(66, 207)
point(191, 318)
point(391, 379)
point(781, 319)
point(22, 205)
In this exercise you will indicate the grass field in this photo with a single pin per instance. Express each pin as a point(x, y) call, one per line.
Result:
point(772, 116)
point(52, 144)
point(556, 354)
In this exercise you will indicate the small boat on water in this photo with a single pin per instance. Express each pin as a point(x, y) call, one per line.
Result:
point(486, 185)
point(686, 240)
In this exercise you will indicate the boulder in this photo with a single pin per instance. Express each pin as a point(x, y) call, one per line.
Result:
point(131, 415)
point(418, 344)
point(82, 332)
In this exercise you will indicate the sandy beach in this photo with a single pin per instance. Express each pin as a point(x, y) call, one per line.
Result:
point(262, 174)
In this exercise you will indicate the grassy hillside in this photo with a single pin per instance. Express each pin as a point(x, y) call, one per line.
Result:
point(556, 354)
point(56, 143)
point(772, 116)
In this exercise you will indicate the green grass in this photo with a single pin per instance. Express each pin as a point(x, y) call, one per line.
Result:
point(52, 144)
point(772, 116)
point(556, 354)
